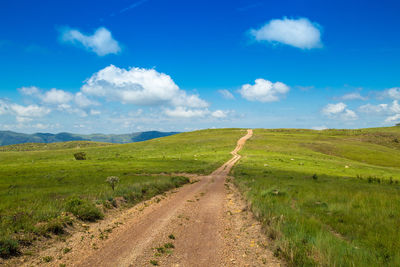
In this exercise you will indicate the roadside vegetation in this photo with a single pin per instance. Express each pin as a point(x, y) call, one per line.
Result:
point(326, 198)
point(42, 192)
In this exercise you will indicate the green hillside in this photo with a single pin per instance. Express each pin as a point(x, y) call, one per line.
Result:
point(37, 186)
point(52, 146)
point(326, 198)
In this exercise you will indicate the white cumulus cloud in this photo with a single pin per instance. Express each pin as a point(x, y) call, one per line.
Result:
point(83, 101)
point(393, 93)
point(332, 109)
point(339, 111)
point(381, 108)
point(29, 111)
point(22, 113)
point(391, 110)
point(300, 33)
point(264, 91)
point(101, 42)
point(140, 87)
point(29, 91)
point(395, 107)
point(369, 108)
point(56, 96)
point(220, 114)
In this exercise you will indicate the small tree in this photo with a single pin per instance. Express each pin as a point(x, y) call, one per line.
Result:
point(112, 181)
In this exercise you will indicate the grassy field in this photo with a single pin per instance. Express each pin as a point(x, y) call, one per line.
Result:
point(36, 187)
point(326, 198)
point(51, 146)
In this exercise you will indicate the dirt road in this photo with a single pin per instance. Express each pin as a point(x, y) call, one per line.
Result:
point(201, 224)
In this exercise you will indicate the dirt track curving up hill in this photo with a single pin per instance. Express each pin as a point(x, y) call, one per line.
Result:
point(207, 223)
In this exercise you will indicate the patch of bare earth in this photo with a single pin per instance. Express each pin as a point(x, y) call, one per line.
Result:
point(200, 224)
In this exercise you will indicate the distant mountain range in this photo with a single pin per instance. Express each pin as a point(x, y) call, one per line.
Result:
point(12, 138)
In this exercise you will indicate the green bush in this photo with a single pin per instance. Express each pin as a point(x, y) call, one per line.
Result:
point(80, 156)
point(84, 210)
point(8, 247)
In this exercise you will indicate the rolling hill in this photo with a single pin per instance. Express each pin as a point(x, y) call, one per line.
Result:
point(323, 198)
point(12, 138)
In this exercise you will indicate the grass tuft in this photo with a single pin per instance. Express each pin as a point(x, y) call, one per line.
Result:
point(47, 259)
point(154, 262)
point(171, 236)
point(8, 247)
point(83, 209)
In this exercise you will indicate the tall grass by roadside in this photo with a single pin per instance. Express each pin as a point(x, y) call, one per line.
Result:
point(324, 208)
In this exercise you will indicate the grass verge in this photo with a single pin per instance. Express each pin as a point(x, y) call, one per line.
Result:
point(338, 205)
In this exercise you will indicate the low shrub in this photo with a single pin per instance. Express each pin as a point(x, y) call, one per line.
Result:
point(84, 210)
point(8, 247)
point(80, 156)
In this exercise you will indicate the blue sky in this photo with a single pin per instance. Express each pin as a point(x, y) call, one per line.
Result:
point(133, 65)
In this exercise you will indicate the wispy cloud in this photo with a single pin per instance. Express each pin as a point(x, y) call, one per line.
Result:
point(100, 42)
point(134, 5)
point(352, 96)
point(394, 118)
point(226, 94)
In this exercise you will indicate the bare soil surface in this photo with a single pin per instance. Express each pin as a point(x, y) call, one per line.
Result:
point(205, 223)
